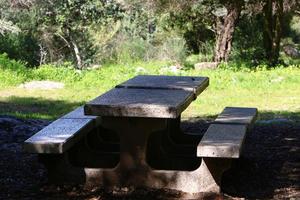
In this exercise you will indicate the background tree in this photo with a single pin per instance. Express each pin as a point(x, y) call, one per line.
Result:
point(98, 31)
point(200, 20)
point(273, 21)
point(226, 21)
point(69, 21)
point(23, 45)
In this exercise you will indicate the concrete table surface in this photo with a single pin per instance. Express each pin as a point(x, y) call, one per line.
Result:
point(187, 83)
point(148, 96)
point(131, 102)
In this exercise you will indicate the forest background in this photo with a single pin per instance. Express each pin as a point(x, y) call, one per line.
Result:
point(92, 45)
point(86, 33)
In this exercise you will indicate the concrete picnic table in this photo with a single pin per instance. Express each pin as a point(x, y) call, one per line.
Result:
point(130, 136)
point(138, 108)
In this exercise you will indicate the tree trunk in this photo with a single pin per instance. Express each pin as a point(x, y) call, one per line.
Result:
point(225, 28)
point(77, 54)
point(43, 54)
point(73, 47)
point(273, 13)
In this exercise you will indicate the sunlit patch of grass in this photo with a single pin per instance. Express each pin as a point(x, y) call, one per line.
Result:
point(274, 91)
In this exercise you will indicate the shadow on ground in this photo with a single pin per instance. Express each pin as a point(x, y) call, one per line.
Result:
point(29, 107)
point(270, 163)
point(269, 167)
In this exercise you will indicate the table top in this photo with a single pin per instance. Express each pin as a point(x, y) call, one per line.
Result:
point(155, 103)
point(148, 96)
point(188, 83)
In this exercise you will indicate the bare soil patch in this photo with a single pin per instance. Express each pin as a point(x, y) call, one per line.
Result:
point(269, 168)
point(42, 85)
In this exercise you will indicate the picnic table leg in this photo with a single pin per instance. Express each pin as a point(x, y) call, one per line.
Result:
point(133, 132)
point(133, 169)
point(177, 136)
point(97, 143)
point(174, 140)
point(107, 136)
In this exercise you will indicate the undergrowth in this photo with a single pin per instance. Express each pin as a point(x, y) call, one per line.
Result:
point(233, 84)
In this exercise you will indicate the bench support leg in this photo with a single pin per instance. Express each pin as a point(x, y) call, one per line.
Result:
point(177, 136)
point(211, 171)
point(60, 170)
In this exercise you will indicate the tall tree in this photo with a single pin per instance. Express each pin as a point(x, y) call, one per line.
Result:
point(273, 21)
point(69, 21)
point(225, 26)
point(219, 16)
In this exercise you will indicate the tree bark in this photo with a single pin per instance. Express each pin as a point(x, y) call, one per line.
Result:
point(273, 14)
point(77, 54)
point(225, 27)
point(70, 41)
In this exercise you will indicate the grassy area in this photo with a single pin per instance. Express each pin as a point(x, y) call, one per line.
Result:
point(275, 92)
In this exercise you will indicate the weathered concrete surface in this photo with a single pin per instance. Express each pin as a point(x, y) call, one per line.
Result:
point(225, 137)
point(59, 136)
point(130, 102)
point(222, 140)
point(237, 115)
point(62, 133)
point(206, 178)
point(187, 83)
point(78, 113)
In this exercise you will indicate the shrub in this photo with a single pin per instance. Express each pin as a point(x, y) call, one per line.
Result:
point(64, 73)
point(22, 46)
point(133, 49)
point(12, 72)
point(11, 64)
point(248, 40)
point(173, 49)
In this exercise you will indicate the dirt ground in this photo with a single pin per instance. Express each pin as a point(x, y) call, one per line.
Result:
point(268, 169)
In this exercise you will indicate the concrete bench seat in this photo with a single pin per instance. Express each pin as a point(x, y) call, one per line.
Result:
point(63, 133)
point(237, 115)
point(70, 147)
point(225, 136)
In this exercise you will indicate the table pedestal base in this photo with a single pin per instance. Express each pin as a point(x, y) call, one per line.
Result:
point(207, 178)
point(131, 166)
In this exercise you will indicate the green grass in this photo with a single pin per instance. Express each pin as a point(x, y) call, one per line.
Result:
point(275, 92)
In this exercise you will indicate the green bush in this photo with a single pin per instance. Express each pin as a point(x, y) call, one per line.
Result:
point(64, 73)
point(287, 60)
point(295, 29)
point(12, 72)
point(138, 36)
point(173, 49)
point(11, 64)
point(192, 59)
point(21, 46)
point(248, 40)
point(127, 49)
point(133, 49)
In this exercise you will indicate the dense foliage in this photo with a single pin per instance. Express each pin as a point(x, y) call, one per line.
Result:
point(96, 32)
